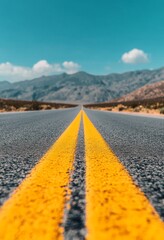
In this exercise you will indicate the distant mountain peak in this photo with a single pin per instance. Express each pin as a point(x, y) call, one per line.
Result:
point(4, 81)
point(81, 73)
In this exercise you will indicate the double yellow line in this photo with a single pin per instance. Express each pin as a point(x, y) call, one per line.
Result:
point(115, 207)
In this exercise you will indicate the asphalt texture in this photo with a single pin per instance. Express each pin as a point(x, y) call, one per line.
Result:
point(24, 138)
point(138, 142)
point(74, 224)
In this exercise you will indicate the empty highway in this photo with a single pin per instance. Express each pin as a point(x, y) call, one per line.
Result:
point(81, 174)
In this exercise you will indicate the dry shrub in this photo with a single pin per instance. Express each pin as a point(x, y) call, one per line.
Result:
point(162, 110)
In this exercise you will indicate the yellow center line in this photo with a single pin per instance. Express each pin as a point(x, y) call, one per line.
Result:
point(35, 210)
point(115, 207)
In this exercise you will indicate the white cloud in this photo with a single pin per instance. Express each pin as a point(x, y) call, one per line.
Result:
point(42, 65)
point(70, 66)
point(11, 72)
point(135, 56)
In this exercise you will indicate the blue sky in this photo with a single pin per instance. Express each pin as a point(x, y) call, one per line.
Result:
point(97, 36)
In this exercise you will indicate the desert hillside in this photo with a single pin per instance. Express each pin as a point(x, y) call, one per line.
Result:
point(154, 90)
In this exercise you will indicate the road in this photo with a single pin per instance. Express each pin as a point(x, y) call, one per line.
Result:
point(139, 144)
point(121, 177)
point(24, 138)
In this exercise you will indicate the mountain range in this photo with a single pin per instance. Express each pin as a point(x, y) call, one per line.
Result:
point(150, 91)
point(80, 87)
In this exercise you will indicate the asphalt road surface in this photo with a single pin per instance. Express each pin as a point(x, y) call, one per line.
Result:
point(136, 141)
point(24, 138)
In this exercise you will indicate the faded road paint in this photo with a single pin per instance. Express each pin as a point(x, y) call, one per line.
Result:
point(35, 210)
point(115, 207)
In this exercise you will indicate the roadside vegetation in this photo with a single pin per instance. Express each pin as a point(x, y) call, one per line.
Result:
point(10, 105)
point(153, 106)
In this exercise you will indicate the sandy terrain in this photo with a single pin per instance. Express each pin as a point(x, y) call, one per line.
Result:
point(138, 110)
